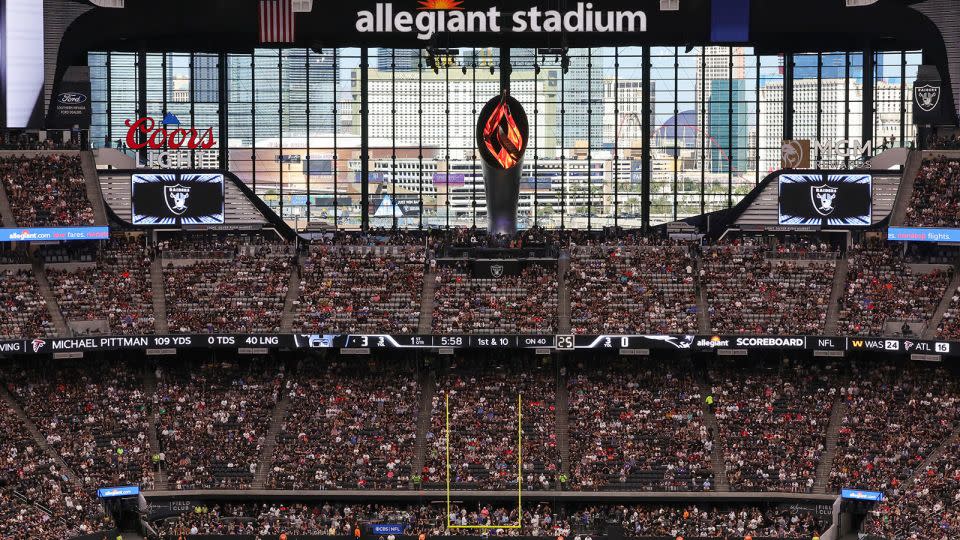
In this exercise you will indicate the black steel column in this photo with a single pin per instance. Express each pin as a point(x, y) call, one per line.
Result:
point(3, 64)
point(505, 69)
point(364, 140)
point(142, 96)
point(648, 136)
point(222, 110)
point(867, 103)
point(788, 96)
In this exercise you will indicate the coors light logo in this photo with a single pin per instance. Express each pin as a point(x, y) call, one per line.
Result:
point(162, 138)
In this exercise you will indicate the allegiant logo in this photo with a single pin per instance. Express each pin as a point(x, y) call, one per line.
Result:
point(435, 16)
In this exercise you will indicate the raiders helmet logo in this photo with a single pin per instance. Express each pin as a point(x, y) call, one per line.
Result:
point(496, 270)
point(823, 198)
point(176, 198)
point(927, 97)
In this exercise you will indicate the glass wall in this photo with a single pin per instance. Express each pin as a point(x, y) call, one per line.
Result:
point(293, 125)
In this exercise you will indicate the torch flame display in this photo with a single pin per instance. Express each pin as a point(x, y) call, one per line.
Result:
point(441, 4)
point(502, 135)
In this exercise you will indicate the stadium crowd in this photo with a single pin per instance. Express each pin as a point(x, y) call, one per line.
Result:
point(894, 418)
point(525, 303)
point(213, 420)
point(37, 499)
point(117, 289)
point(242, 291)
point(348, 426)
point(617, 289)
point(935, 201)
point(46, 190)
point(483, 436)
point(773, 425)
point(749, 293)
point(535, 519)
point(928, 507)
point(24, 311)
point(361, 289)
point(93, 413)
point(638, 429)
point(882, 288)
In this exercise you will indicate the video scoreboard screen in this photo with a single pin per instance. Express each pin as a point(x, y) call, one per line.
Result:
point(841, 199)
point(177, 199)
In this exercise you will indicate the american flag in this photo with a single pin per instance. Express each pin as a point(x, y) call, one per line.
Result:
point(276, 21)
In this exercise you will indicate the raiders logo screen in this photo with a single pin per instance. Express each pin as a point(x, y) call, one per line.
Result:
point(844, 200)
point(177, 199)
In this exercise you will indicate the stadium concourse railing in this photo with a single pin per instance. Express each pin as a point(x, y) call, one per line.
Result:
point(460, 536)
point(819, 504)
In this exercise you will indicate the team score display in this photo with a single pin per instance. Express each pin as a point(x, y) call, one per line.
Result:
point(372, 341)
point(624, 342)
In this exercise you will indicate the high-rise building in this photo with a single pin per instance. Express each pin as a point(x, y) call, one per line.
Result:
point(720, 109)
point(398, 59)
point(449, 101)
point(623, 111)
point(729, 127)
point(583, 109)
point(205, 78)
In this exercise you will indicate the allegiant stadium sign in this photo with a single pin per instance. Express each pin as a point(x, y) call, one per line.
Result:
point(436, 16)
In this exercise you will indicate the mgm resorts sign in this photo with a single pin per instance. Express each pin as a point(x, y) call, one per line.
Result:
point(442, 16)
point(800, 153)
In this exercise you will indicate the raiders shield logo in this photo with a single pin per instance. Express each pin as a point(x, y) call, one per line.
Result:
point(927, 96)
point(823, 198)
point(176, 198)
point(496, 270)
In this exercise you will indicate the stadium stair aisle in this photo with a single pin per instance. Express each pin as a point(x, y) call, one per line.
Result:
point(905, 193)
point(830, 450)
point(425, 325)
point(930, 332)
point(92, 179)
point(563, 422)
point(37, 436)
point(270, 443)
point(429, 388)
point(159, 296)
point(293, 293)
point(703, 313)
point(6, 214)
point(43, 285)
point(721, 483)
point(150, 389)
point(563, 295)
point(839, 286)
point(933, 457)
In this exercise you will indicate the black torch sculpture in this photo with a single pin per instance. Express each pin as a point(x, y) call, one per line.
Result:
point(502, 131)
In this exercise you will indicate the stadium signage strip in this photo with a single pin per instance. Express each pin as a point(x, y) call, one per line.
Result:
point(922, 234)
point(439, 16)
point(262, 342)
point(53, 234)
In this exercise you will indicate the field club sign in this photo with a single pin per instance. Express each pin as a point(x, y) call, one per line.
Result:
point(435, 16)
